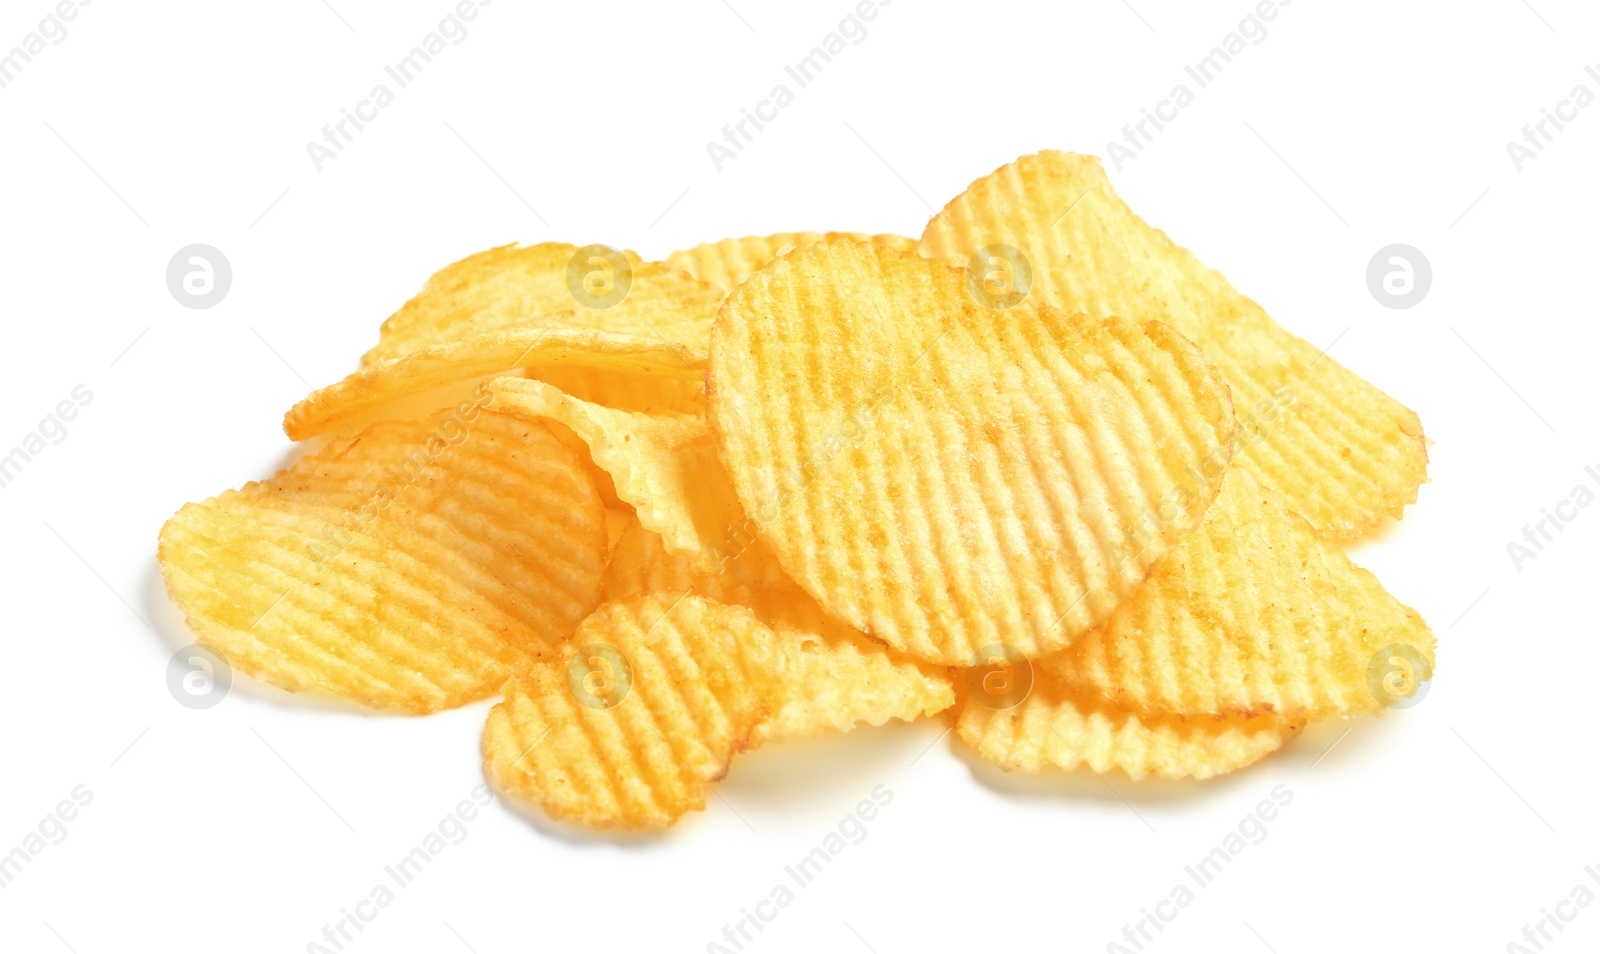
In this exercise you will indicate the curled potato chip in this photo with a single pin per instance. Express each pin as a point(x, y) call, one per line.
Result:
point(830, 677)
point(551, 284)
point(1055, 726)
point(944, 476)
point(627, 391)
point(726, 264)
point(653, 698)
point(415, 567)
point(493, 352)
point(639, 564)
point(1253, 613)
point(665, 467)
point(1343, 453)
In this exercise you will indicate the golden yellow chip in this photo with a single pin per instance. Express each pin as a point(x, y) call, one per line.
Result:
point(639, 563)
point(551, 284)
point(626, 391)
point(830, 676)
point(1253, 613)
point(493, 352)
point(651, 701)
point(1343, 453)
point(1054, 726)
point(944, 476)
point(415, 567)
point(842, 680)
point(726, 264)
point(665, 467)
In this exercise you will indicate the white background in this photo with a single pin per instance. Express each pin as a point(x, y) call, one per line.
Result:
point(249, 826)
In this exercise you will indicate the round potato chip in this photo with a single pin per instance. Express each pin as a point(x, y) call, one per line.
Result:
point(482, 355)
point(1253, 613)
point(830, 677)
point(946, 476)
point(552, 284)
point(726, 264)
point(415, 567)
point(1050, 228)
point(1057, 727)
point(652, 699)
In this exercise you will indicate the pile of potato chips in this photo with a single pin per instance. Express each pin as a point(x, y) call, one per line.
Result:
point(1041, 471)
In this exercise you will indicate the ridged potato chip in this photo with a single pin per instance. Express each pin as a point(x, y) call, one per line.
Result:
point(1343, 453)
point(945, 476)
point(651, 701)
point(415, 567)
point(493, 352)
point(665, 467)
point(842, 680)
point(639, 563)
point(1057, 727)
point(726, 264)
point(1253, 613)
point(830, 677)
point(551, 284)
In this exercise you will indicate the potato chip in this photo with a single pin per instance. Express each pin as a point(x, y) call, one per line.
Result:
point(1343, 453)
point(726, 264)
point(494, 352)
point(640, 564)
point(551, 285)
point(1253, 613)
point(580, 447)
point(945, 476)
point(651, 701)
point(830, 676)
point(665, 467)
point(1058, 727)
point(415, 567)
point(627, 391)
point(840, 681)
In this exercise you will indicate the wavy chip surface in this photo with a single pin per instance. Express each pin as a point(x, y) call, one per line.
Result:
point(665, 467)
point(1253, 613)
point(946, 477)
point(726, 264)
point(830, 677)
point(842, 680)
point(413, 568)
point(650, 703)
point(1057, 727)
point(1343, 453)
point(530, 286)
point(493, 352)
